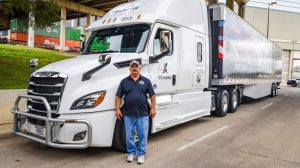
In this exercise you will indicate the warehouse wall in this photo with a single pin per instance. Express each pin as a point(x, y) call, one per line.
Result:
point(285, 64)
point(284, 26)
point(284, 29)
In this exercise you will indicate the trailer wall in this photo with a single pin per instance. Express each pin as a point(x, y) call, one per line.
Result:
point(241, 54)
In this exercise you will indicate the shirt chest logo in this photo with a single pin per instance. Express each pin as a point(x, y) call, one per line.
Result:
point(142, 83)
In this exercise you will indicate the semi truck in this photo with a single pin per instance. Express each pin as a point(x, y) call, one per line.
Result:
point(202, 60)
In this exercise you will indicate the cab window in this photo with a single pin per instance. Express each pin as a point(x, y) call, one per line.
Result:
point(157, 45)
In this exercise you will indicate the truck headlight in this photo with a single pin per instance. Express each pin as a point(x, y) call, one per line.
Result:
point(89, 101)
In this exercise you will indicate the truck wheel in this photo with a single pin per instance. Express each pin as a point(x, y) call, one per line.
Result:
point(233, 100)
point(273, 90)
point(119, 138)
point(276, 89)
point(294, 84)
point(222, 103)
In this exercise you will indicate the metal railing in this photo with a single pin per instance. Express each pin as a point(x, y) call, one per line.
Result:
point(17, 125)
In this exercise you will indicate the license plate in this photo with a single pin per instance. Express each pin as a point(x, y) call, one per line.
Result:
point(39, 130)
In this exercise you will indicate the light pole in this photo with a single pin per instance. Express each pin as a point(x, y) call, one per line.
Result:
point(268, 22)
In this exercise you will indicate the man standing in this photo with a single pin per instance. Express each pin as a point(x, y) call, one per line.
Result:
point(135, 88)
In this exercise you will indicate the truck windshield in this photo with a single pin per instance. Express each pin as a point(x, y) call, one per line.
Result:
point(127, 39)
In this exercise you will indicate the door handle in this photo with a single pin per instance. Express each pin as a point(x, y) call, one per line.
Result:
point(173, 80)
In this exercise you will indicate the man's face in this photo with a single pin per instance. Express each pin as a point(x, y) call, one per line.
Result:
point(135, 69)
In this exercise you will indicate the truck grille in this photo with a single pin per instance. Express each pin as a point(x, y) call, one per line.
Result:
point(49, 85)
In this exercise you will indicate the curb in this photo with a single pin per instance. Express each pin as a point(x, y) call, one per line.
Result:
point(6, 135)
point(5, 131)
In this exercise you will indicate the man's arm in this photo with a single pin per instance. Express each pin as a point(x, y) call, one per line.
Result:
point(153, 106)
point(118, 111)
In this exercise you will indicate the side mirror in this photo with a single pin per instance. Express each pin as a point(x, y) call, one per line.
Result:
point(165, 41)
point(33, 63)
point(82, 46)
point(104, 59)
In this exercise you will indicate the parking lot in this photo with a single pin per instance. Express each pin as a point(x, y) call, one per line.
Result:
point(263, 133)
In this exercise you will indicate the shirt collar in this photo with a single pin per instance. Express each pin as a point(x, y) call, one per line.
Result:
point(141, 77)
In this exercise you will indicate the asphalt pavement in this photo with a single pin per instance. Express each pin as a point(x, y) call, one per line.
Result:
point(263, 133)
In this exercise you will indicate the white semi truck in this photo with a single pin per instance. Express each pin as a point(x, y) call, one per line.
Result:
point(202, 60)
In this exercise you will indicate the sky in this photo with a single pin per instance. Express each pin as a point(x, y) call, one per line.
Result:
point(284, 5)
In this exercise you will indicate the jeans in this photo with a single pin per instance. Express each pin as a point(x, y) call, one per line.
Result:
point(141, 125)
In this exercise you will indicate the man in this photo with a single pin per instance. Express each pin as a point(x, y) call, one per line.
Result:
point(135, 88)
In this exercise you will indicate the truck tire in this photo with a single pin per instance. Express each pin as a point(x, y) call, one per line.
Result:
point(222, 103)
point(273, 90)
point(294, 84)
point(119, 138)
point(276, 89)
point(233, 100)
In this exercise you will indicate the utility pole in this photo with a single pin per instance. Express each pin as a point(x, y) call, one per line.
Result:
point(268, 19)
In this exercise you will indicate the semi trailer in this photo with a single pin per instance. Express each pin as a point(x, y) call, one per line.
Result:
point(202, 60)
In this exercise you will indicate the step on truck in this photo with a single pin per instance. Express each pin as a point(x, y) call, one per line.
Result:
point(202, 60)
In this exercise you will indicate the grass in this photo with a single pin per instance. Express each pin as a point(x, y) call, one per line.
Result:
point(14, 64)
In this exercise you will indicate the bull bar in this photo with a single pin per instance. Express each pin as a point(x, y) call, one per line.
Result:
point(17, 125)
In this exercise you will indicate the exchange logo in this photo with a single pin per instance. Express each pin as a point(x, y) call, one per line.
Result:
point(165, 70)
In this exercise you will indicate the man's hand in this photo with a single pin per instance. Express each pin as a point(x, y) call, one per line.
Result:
point(152, 113)
point(119, 114)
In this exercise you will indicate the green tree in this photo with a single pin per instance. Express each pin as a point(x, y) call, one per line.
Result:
point(44, 11)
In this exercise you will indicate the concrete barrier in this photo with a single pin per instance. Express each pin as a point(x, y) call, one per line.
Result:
point(7, 101)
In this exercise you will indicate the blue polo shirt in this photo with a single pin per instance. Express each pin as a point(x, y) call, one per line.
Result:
point(135, 96)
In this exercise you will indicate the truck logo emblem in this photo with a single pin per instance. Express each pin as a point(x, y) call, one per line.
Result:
point(165, 70)
point(161, 77)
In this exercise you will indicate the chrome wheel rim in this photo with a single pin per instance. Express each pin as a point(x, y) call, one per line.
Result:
point(234, 100)
point(225, 103)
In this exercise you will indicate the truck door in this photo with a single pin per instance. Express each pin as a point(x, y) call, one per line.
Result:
point(163, 73)
point(199, 78)
point(163, 70)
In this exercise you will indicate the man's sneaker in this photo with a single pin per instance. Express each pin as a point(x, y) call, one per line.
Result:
point(130, 158)
point(141, 159)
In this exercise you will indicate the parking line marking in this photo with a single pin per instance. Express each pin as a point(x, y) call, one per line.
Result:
point(201, 138)
point(267, 106)
point(286, 95)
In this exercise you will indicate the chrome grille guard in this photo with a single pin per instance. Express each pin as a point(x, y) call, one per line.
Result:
point(17, 125)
